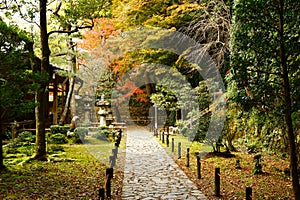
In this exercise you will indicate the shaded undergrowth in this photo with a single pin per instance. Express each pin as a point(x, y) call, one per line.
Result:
point(72, 172)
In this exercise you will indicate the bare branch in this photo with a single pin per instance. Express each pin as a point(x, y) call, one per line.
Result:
point(60, 54)
point(211, 28)
point(76, 29)
point(23, 16)
point(58, 6)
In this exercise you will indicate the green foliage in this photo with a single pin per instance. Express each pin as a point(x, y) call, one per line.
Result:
point(203, 117)
point(103, 133)
point(28, 150)
point(255, 89)
point(26, 136)
point(17, 78)
point(74, 165)
point(64, 129)
point(22, 144)
point(12, 147)
point(102, 128)
point(158, 13)
point(73, 16)
point(54, 129)
point(58, 138)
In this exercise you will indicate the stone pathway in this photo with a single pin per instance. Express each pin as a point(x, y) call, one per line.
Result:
point(150, 173)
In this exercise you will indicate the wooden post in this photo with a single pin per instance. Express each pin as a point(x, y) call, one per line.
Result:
point(179, 150)
point(248, 193)
point(55, 100)
point(118, 141)
point(163, 137)
point(168, 140)
point(109, 176)
point(217, 182)
point(173, 144)
point(188, 157)
point(198, 166)
point(115, 152)
point(159, 135)
point(112, 161)
point(101, 194)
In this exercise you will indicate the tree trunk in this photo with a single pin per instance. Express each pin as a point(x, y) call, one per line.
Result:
point(72, 68)
point(288, 106)
point(68, 101)
point(40, 112)
point(41, 96)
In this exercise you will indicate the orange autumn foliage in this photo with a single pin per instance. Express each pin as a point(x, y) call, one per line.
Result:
point(102, 30)
point(94, 42)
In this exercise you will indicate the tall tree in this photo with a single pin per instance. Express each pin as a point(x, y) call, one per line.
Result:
point(69, 18)
point(75, 15)
point(16, 75)
point(41, 96)
point(265, 64)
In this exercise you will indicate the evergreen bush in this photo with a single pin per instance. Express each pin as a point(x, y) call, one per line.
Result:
point(58, 138)
point(102, 133)
point(26, 136)
point(54, 129)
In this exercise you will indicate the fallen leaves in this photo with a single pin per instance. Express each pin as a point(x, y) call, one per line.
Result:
point(75, 176)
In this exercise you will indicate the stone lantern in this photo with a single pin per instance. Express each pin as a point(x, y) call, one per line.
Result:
point(103, 110)
point(87, 102)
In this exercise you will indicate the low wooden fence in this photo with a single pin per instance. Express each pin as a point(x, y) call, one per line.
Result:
point(105, 191)
point(164, 136)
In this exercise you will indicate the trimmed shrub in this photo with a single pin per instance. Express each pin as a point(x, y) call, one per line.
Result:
point(102, 133)
point(58, 139)
point(54, 129)
point(64, 129)
point(26, 136)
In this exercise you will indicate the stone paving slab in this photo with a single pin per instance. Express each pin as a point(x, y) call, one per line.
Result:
point(150, 173)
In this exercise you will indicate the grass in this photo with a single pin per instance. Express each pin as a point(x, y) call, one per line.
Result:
point(272, 184)
point(75, 173)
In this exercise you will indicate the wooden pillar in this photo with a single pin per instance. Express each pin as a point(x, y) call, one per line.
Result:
point(217, 182)
point(173, 144)
point(179, 150)
point(188, 157)
point(109, 176)
point(198, 166)
point(55, 100)
point(248, 193)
